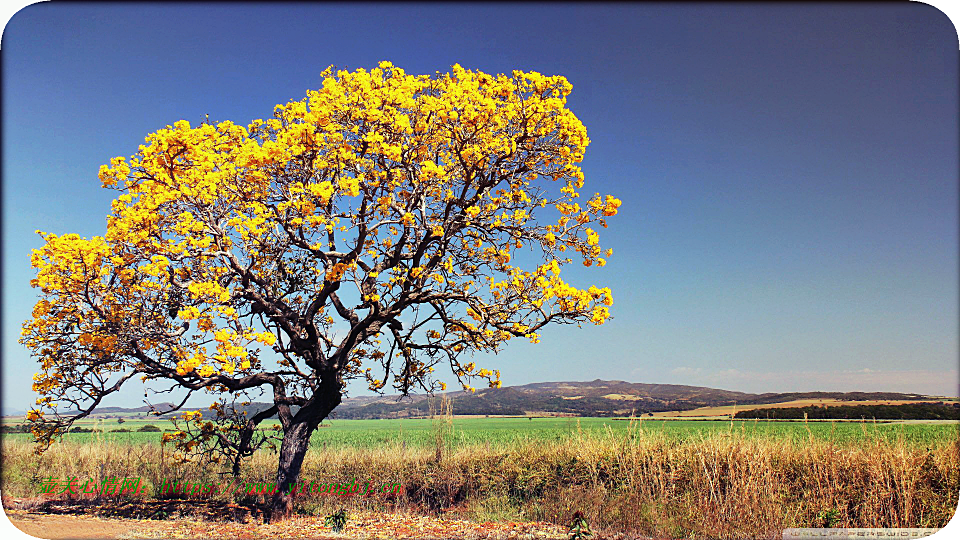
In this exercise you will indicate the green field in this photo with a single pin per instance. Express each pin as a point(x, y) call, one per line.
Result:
point(504, 431)
point(661, 478)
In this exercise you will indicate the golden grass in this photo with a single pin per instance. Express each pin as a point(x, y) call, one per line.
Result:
point(719, 485)
point(626, 397)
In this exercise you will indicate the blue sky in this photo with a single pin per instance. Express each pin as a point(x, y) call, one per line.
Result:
point(788, 173)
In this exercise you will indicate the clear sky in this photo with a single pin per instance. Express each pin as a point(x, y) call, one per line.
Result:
point(789, 174)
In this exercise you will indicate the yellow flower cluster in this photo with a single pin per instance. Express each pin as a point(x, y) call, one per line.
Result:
point(321, 190)
point(392, 181)
point(189, 364)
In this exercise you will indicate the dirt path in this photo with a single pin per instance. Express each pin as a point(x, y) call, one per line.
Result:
point(60, 527)
point(360, 525)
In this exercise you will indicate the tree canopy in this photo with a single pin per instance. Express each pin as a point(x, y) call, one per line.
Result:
point(383, 225)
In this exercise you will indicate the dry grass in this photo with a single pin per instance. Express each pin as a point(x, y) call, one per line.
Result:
point(721, 485)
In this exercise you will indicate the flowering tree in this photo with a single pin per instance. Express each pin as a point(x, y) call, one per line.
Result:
point(384, 225)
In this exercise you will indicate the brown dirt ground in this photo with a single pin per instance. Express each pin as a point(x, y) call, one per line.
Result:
point(360, 525)
point(63, 527)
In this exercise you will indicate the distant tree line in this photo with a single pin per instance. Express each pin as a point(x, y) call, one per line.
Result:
point(771, 397)
point(25, 428)
point(909, 411)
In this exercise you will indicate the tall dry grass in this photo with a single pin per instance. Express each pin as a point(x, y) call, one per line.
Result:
point(722, 485)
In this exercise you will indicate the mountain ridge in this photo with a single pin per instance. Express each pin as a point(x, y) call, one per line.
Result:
point(568, 398)
point(585, 398)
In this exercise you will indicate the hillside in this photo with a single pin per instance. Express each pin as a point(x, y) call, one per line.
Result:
point(592, 398)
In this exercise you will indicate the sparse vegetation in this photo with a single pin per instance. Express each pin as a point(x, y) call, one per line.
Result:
point(337, 520)
point(701, 479)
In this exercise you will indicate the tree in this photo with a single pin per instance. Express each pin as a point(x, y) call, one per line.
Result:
point(383, 225)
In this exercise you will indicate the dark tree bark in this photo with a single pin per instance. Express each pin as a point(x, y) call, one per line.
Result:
point(296, 441)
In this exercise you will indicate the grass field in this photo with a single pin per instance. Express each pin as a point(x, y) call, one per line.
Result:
point(506, 431)
point(661, 478)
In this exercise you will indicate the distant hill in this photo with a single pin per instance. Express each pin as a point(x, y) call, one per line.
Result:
point(593, 398)
point(12, 412)
point(163, 407)
point(120, 411)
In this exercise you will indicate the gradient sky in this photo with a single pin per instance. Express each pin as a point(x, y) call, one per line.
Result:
point(789, 174)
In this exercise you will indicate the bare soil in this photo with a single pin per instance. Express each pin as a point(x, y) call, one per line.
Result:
point(61, 520)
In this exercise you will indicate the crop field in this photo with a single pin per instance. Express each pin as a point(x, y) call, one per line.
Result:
point(507, 431)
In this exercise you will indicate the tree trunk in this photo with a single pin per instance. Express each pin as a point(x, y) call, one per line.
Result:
point(296, 440)
point(292, 450)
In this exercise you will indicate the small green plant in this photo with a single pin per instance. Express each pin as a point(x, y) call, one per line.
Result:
point(337, 520)
point(579, 528)
point(828, 518)
point(149, 428)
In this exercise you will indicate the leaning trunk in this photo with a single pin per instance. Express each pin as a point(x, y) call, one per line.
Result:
point(292, 451)
point(296, 440)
